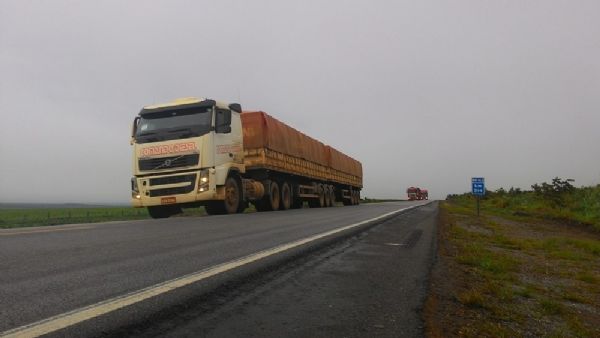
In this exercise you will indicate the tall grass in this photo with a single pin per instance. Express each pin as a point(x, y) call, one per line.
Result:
point(579, 205)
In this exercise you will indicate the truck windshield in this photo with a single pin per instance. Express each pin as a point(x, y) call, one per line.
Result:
point(174, 124)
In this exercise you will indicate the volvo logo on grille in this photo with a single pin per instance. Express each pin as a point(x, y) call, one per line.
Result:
point(168, 162)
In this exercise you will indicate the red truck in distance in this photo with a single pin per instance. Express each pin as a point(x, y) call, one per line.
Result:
point(415, 193)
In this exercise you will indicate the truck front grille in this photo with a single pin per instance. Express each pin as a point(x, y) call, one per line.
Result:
point(168, 162)
point(173, 179)
point(171, 191)
point(157, 182)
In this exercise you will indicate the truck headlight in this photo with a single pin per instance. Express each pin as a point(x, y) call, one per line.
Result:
point(135, 191)
point(134, 185)
point(203, 182)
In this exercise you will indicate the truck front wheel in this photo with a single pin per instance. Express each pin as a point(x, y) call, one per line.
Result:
point(233, 196)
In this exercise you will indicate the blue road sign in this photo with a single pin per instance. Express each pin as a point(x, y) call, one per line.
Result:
point(478, 186)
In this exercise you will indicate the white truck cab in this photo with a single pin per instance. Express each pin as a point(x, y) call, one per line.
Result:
point(183, 153)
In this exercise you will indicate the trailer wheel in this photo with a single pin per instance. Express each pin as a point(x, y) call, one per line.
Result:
point(332, 195)
point(233, 196)
point(316, 202)
point(321, 193)
point(286, 196)
point(274, 197)
point(327, 196)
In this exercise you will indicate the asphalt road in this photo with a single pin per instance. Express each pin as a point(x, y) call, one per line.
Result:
point(48, 271)
point(370, 285)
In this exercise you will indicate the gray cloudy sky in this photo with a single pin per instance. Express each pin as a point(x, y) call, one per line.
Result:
point(425, 93)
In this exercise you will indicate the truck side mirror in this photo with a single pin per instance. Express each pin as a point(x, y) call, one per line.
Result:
point(236, 107)
point(136, 121)
point(223, 121)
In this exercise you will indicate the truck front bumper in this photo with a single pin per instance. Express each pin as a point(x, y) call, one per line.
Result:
point(179, 188)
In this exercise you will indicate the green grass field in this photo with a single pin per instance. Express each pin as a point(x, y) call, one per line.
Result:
point(15, 218)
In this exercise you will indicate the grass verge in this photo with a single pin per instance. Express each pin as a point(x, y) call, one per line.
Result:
point(503, 275)
point(18, 218)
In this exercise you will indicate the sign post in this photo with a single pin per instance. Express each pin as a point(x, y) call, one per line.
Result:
point(478, 189)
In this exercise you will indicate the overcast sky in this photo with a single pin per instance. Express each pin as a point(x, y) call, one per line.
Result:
point(424, 93)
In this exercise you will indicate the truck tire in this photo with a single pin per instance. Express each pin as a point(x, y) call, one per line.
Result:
point(332, 195)
point(318, 202)
point(163, 211)
point(357, 197)
point(326, 196)
point(321, 193)
point(233, 202)
point(274, 196)
point(286, 196)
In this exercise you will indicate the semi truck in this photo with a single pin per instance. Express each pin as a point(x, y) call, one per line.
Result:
point(415, 193)
point(195, 152)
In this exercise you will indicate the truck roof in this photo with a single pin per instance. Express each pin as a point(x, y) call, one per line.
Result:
point(184, 102)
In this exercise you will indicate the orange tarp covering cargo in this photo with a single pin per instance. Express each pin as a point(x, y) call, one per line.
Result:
point(270, 143)
point(342, 162)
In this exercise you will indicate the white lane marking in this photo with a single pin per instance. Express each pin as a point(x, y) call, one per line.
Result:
point(70, 318)
point(37, 231)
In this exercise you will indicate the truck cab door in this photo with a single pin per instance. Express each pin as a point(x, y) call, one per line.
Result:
point(227, 140)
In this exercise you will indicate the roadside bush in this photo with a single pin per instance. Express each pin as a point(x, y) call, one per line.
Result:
point(558, 200)
point(556, 192)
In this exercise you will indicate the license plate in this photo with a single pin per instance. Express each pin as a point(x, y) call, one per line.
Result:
point(168, 200)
